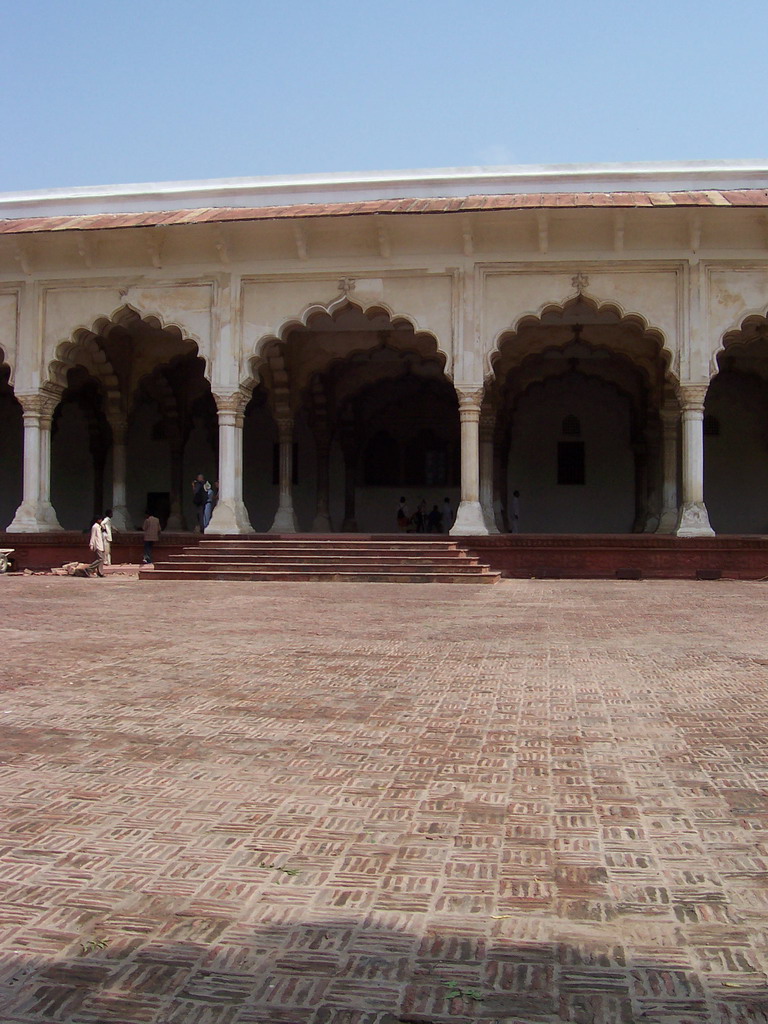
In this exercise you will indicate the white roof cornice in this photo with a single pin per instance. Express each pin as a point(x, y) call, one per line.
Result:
point(375, 185)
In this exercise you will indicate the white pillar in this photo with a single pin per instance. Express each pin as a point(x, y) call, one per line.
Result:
point(176, 521)
point(693, 520)
point(500, 488)
point(230, 515)
point(469, 517)
point(47, 510)
point(322, 520)
point(349, 450)
point(35, 514)
point(670, 422)
point(120, 516)
point(486, 428)
point(285, 517)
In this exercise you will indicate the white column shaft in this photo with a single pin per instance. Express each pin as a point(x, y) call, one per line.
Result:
point(286, 469)
point(32, 459)
point(694, 519)
point(285, 518)
point(693, 455)
point(669, 509)
point(486, 484)
point(120, 516)
point(469, 516)
point(35, 514)
point(230, 515)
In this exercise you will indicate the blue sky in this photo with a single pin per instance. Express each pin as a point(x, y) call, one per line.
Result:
point(115, 91)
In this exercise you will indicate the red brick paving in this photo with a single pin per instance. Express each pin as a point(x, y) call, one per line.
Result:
point(542, 801)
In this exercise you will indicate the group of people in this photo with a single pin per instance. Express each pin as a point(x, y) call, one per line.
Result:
point(424, 520)
point(100, 541)
point(440, 520)
point(204, 498)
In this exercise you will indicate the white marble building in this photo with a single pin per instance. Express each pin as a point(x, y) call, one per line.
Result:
point(593, 337)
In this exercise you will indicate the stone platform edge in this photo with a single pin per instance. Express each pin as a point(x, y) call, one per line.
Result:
point(522, 556)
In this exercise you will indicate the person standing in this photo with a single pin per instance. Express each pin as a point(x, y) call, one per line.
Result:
point(434, 520)
point(106, 529)
point(514, 513)
point(151, 534)
point(96, 544)
point(447, 515)
point(198, 500)
point(403, 517)
point(421, 516)
point(210, 502)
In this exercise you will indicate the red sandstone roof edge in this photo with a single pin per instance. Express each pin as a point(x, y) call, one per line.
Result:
point(755, 198)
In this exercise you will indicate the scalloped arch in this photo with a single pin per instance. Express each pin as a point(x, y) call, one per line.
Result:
point(84, 337)
point(330, 309)
point(608, 306)
point(732, 336)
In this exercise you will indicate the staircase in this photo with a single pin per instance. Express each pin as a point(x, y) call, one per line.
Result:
point(317, 559)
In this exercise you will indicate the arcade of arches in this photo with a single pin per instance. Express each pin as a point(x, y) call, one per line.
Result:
point(343, 414)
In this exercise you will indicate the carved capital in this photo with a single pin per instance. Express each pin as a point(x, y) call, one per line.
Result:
point(284, 423)
point(42, 403)
point(234, 402)
point(470, 401)
point(487, 423)
point(692, 396)
point(119, 426)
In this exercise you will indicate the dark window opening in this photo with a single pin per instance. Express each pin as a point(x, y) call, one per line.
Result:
point(571, 427)
point(570, 462)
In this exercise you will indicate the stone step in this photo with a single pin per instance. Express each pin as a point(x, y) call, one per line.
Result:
point(318, 559)
point(160, 573)
point(268, 565)
point(320, 545)
point(331, 558)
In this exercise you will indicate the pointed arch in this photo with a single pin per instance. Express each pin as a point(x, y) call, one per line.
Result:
point(750, 327)
point(333, 309)
point(588, 311)
point(83, 343)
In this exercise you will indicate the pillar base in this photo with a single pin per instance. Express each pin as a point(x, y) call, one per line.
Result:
point(230, 517)
point(121, 519)
point(500, 518)
point(694, 521)
point(285, 521)
point(469, 521)
point(322, 523)
point(651, 524)
point(349, 526)
point(489, 518)
point(35, 517)
point(176, 523)
point(668, 520)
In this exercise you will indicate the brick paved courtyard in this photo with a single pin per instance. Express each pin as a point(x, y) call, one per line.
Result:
point(359, 804)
